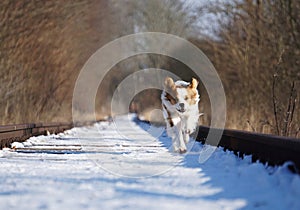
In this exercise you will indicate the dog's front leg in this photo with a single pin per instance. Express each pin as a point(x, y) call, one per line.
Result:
point(180, 137)
point(185, 130)
point(186, 136)
point(173, 133)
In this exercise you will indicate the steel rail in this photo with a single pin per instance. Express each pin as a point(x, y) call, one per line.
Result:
point(270, 149)
point(21, 132)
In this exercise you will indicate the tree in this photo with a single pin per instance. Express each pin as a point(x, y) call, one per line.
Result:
point(252, 38)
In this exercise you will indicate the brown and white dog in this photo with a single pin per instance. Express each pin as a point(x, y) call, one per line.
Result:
point(180, 110)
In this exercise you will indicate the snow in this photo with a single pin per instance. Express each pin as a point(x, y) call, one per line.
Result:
point(121, 166)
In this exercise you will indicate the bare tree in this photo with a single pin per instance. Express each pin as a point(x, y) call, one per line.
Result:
point(252, 35)
point(43, 47)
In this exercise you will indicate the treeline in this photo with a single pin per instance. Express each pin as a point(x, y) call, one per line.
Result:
point(256, 52)
point(43, 46)
point(254, 47)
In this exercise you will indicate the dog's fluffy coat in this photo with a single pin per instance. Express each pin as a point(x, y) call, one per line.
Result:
point(180, 110)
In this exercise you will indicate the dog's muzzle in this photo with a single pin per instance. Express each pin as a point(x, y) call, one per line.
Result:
point(181, 108)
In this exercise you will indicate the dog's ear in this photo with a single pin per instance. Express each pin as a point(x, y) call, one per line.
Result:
point(194, 83)
point(169, 83)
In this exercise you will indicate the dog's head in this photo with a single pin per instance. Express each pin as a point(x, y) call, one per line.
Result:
point(181, 94)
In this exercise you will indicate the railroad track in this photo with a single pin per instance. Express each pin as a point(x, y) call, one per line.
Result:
point(270, 149)
point(21, 132)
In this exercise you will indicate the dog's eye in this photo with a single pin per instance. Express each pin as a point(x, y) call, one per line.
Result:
point(171, 99)
point(186, 98)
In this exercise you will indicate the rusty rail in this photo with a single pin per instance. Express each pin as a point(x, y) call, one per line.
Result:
point(274, 150)
point(21, 132)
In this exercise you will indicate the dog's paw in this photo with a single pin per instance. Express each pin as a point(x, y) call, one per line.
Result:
point(182, 151)
point(187, 131)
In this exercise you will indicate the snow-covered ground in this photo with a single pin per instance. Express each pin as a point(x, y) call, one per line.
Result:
point(120, 166)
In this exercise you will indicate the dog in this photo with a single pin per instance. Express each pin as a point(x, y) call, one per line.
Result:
point(180, 110)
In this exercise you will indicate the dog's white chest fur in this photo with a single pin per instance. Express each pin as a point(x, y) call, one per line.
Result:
point(180, 109)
